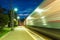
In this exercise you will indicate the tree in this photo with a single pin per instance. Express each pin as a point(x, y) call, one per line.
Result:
point(3, 18)
point(2, 10)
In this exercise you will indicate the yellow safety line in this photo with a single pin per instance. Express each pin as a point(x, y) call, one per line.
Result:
point(29, 33)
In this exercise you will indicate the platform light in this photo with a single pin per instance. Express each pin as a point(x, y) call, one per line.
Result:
point(15, 9)
point(18, 17)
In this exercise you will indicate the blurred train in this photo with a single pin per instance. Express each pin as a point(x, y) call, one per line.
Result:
point(47, 14)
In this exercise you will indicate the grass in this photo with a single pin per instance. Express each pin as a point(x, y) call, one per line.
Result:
point(6, 30)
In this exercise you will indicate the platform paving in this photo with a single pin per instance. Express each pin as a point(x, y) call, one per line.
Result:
point(19, 33)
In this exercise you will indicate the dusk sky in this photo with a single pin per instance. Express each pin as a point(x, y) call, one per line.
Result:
point(25, 7)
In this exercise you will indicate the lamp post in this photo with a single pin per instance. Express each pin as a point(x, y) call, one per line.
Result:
point(18, 20)
point(12, 17)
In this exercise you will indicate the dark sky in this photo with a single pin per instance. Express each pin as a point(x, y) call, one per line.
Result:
point(25, 7)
